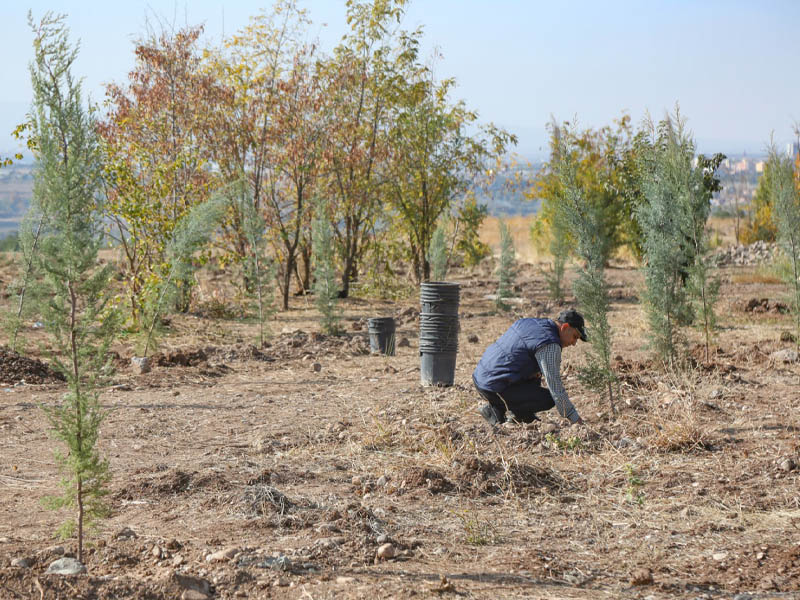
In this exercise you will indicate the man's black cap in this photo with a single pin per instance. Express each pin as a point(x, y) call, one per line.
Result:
point(575, 319)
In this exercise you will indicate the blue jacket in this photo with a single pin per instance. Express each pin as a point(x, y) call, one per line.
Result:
point(512, 357)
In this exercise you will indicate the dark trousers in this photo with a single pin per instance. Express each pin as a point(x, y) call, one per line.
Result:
point(524, 399)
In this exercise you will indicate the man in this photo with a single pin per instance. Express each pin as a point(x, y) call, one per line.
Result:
point(509, 373)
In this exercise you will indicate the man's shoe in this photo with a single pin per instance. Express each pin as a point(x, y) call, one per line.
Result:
point(491, 414)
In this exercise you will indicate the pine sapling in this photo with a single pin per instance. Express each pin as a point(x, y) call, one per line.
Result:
point(666, 224)
point(592, 247)
point(191, 234)
point(786, 215)
point(326, 291)
point(559, 248)
point(259, 268)
point(506, 268)
point(73, 304)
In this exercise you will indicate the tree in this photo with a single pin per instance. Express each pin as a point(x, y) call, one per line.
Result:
point(73, 303)
point(670, 218)
point(238, 131)
point(154, 168)
point(761, 225)
point(604, 172)
point(506, 268)
point(434, 160)
point(359, 82)
point(191, 234)
point(326, 292)
point(298, 129)
point(580, 215)
point(785, 192)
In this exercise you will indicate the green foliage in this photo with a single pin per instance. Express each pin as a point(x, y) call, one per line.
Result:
point(560, 249)
point(436, 159)
point(470, 217)
point(633, 491)
point(603, 173)
point(437, 253)
point(326, 291)
point(786, 215)
point(761, 225)
point(673, 216)
point(579, 215)
point(570, 444)
point(665, 219)
point(73, 289)
point(259, 268)
point(477, 531)
point(506, 268)
point(190, 235)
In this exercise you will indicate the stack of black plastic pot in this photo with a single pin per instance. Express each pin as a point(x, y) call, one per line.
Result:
point(438, 332)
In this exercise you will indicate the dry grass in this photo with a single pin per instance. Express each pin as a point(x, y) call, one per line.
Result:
point(761, 275)
point(519, 227)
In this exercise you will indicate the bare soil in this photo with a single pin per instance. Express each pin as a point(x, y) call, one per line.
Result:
point(303, 457)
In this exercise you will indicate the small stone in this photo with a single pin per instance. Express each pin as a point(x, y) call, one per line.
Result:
point(641, 576)
point(178, 560)
point(382, 538)
point(126, 533)
point(194, 595)
point(222, 555)
point(760, 556)
point(716, 393)
point(381, 481)
point(403, 343)
point(66, 566)
point(317, 367)
point(386, 551)
point(280, 582)
point(140, 365)
point(341, 580)
point(356, 480)
point(156, 552)
point(22, 563)
point(787, 465)
point(720, 555)
point(473, 339)
point(785, 356)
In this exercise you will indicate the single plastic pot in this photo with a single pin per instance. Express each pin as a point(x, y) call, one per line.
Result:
point(381, 335)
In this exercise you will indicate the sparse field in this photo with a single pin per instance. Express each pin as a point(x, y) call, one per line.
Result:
point(313, 450)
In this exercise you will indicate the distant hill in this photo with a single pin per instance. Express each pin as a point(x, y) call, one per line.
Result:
point(506, 195)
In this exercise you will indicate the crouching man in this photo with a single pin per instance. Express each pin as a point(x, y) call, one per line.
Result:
point(509, 374)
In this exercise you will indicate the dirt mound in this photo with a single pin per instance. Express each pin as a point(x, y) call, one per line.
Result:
point(19, 582)
point(298, 344)
point(15, 368)
point(172, 482)
point(478, 477)
point(764, 305)
point(425, 477)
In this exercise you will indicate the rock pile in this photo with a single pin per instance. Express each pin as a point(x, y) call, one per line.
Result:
point(755, 254)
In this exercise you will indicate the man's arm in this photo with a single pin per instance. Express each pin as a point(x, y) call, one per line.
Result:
point(549, 359)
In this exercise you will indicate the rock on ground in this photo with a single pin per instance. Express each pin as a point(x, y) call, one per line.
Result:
point(66, 566)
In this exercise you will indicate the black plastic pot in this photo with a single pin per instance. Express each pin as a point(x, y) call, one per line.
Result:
point(381, 335)
point(439, 297)
point(438, 332)
point(437, 368)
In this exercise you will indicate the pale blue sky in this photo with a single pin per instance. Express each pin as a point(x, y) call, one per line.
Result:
point(731, 64)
